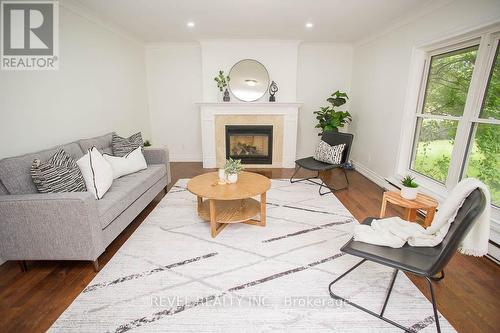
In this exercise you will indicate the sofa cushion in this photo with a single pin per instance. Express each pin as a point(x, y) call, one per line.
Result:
point(102, 143)
point(15, 171)
point(3, 190)
point(126, 190)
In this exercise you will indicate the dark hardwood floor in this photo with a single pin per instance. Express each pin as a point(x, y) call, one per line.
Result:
point(469, 296)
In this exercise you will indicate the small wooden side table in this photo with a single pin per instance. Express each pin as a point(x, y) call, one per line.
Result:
point(422, 201)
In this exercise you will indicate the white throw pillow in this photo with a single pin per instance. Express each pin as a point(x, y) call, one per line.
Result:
point(96, 171)
point(130, 163)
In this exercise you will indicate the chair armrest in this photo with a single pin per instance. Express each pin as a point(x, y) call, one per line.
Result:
point(52, 226)
point(158, 156)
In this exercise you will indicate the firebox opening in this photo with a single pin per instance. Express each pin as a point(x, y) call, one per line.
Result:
point(253, 144)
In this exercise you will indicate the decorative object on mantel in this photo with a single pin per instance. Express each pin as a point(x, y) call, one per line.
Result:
point(222, 82)
point(147, 143)
point(249, 80)
point(273, 89)
point(328, 118)
point(409, 190)
point(226, 97)
point(232, 169)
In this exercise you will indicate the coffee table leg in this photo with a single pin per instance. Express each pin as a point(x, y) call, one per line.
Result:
point(200, 204)
point(263, 209)
point(215, 227)
point(213, 221)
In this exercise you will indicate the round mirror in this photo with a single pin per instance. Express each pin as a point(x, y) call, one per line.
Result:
point(249, 80)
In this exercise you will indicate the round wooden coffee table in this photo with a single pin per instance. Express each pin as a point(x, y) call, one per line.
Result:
point(230, 203)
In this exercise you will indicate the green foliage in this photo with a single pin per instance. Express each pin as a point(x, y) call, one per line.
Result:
point(448, 82)
point(221, 80)
point(147, 143)
point(446, 93)
point(232, 166)
point(409, 181)
point(328, 118)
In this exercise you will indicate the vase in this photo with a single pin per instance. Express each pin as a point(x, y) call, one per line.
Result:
point(222, 175)
point(232, 178)
point(409, 193)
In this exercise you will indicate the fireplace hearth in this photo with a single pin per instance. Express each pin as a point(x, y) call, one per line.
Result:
point(252, 144)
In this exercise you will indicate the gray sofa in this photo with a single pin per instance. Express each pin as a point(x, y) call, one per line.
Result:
point(71, 226)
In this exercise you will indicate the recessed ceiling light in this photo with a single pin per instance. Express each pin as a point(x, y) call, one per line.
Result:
point(309, 25)
point(190, 24)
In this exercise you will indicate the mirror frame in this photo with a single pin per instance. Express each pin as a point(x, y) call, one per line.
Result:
point(268, 79)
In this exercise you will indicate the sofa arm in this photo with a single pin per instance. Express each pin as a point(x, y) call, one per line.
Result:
point(52, 226)
point(158, 156)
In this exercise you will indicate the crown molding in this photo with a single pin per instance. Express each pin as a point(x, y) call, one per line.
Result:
point(428, 8)
point(83, 11)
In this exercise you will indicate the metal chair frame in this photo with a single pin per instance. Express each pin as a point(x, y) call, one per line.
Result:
point(322, 184)
point(332, 138)
point(389, 291)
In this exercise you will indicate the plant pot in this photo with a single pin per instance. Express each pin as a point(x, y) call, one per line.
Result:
point(232, 178)
point(409, 193)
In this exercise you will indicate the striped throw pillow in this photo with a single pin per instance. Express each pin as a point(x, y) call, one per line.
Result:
point(329, 154)
point(59, 174)
point(123, 146)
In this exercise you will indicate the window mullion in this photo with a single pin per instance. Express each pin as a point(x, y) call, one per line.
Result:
point(471, 111)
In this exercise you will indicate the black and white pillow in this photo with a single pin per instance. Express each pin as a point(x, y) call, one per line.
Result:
point(329, 154)
point(59, 174)
point(123, 146)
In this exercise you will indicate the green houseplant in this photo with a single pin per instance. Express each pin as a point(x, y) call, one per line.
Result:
point(328, 118)
point(232, 168)
point(409, 190)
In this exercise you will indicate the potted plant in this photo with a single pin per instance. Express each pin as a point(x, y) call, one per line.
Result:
point(328, 118)
point(409, 190)
point(222, 81)
point(232, 168)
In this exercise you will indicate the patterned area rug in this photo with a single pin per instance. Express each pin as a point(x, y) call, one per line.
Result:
point(171, 275)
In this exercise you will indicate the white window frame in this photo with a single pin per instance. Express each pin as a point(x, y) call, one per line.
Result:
point(487, 39)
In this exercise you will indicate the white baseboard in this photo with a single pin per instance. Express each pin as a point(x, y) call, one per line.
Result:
point(371, 175)
point(2, 261)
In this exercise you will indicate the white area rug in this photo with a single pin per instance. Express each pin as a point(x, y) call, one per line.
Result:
point(172, 276)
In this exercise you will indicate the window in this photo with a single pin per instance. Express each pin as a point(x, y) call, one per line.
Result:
point(457, 119)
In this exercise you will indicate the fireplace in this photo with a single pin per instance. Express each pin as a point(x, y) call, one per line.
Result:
point(252, 144)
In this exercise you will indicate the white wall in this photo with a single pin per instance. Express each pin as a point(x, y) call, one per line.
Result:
point(174, 86)
point(322, 69)
point(380, 77)
point(278, 56)
point(100, 87)
point(181, 74)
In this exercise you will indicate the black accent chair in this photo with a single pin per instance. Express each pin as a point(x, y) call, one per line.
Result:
point(425, 262)
point(309, 163)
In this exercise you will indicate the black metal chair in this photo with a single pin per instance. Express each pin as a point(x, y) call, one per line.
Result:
point(426, 262)
point(309, 163)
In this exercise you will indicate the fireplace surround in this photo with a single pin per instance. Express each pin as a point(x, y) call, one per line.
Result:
point(216, 116)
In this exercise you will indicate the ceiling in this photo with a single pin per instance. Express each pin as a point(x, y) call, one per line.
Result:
point(347, 21)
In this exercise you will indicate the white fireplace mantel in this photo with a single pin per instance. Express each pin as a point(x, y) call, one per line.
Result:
point(289, 112)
